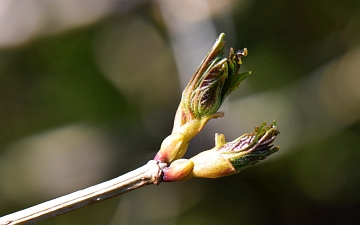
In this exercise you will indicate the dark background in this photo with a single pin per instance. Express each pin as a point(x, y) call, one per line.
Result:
point(88, 90)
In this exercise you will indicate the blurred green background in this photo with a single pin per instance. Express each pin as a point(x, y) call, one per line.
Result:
point(89, 89)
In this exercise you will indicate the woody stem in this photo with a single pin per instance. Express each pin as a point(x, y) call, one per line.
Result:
point(150, 173)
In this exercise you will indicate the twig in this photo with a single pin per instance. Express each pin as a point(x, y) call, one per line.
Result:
point(145, 175)
point(215, 78)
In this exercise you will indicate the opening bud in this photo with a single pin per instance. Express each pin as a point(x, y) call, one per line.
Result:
point(226, 158)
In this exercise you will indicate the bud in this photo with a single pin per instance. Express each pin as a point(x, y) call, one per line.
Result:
point(226, 158)
point(251, 148)
point(212, 82)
